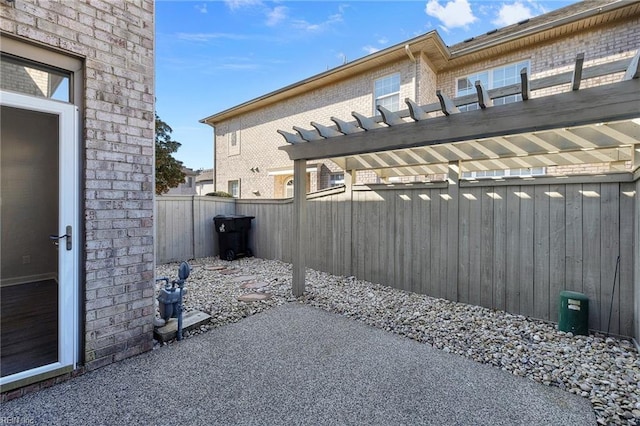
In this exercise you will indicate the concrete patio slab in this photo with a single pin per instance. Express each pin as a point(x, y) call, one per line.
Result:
point(295, 364)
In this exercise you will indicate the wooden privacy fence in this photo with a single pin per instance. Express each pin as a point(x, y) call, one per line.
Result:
point(184, 226)
point(511, 245)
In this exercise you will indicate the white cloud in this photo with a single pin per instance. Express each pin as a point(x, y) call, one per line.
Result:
point(276, 16)
point(455, 13)
point(202, 8)
point(238, 4)
point(301, 24)
point(203, 37)
point(370, 49)
point(383, 40)
point(304, 25)
point(512, 13)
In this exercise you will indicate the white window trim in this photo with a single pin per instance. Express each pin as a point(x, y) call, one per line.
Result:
point(388, 95)
point(490, 71)
point(229, 182)
point(288, 188)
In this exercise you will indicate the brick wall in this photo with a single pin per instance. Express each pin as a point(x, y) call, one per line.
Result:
point(600, 45)
point(116, 40)
point(259, 140)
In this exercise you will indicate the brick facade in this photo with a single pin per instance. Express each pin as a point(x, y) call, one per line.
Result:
point(258, 140)
point(115, 40)
point(258, 129)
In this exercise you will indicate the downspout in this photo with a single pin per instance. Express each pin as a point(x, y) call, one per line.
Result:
point(415, 72)
point(215, 168)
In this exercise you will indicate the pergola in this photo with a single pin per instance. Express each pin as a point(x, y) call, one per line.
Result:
point(594, 125)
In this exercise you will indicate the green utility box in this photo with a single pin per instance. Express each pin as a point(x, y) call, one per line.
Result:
point(574, 312)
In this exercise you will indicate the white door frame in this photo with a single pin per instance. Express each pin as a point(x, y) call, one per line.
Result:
point(68, 261)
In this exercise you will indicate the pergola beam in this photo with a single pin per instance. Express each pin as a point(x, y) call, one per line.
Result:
point(612, 102)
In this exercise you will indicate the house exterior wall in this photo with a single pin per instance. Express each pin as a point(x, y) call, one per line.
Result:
point(115, 40)
point(602, 45)
point(419, 81)
point(257, 131)
point(187, 186)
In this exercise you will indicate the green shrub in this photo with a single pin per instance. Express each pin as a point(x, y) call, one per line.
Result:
point(219, 194)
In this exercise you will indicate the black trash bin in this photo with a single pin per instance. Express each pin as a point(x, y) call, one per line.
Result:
point(233, 235)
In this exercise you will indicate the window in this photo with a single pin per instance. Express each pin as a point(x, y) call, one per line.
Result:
point(387, 93)
point(491, 79)
point(532, 171)
point(234, 188)
point(288, 188)
point(189, 182)
point(336, 179)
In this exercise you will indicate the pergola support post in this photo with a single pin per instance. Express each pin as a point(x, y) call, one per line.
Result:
point(299, 226)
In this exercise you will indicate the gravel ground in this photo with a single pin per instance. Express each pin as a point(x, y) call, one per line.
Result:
point(603, 369)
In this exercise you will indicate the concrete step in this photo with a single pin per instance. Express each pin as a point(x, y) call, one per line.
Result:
point(190, 320)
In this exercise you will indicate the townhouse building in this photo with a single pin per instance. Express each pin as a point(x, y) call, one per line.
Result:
point(248, 163)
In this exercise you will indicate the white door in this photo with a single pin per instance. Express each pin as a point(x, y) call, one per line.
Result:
point(40, 237)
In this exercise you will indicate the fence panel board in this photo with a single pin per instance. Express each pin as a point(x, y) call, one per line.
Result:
point(541, 286)
point(436, 229)
point(499, 246)
point(591, 250)
point(526, 240)
point(557, 247)
point(513, 250)
point(475, 244)
point(486, 249)
point(464, 255)
point(573, 225)
point(629, 195)
point(609, 250)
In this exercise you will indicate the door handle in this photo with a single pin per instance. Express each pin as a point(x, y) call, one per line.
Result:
point(54, 238)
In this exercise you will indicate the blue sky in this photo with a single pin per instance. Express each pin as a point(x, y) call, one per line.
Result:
point(213, 55)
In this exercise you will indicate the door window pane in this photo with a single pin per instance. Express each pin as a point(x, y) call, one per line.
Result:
point(33, 79)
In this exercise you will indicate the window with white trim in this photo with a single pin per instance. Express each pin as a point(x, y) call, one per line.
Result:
point(288, 188)
point(386, 92)
point(491, 79)
point(234, 188)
